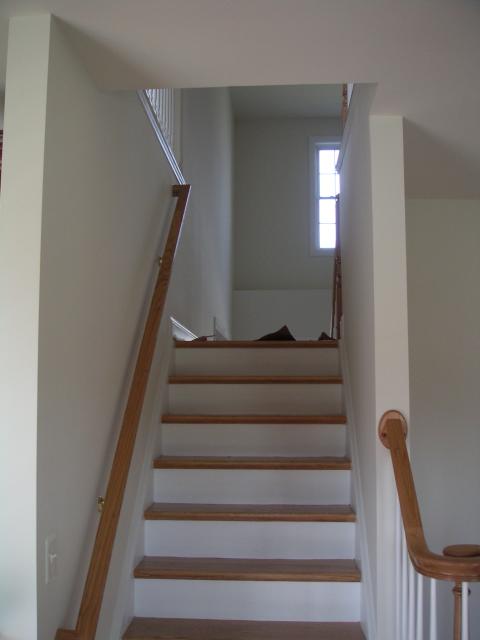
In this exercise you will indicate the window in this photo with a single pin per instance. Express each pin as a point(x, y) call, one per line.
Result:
point(326, 186)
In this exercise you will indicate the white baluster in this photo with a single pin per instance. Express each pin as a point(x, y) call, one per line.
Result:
point(404, 589)
point(398, 572)
point(465, 629)
point(411, 602)
point(433, 609)
point(419, 635)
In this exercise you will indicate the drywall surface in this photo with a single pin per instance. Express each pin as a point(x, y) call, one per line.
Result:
point(20, 230)
point(443, 239)
point(106, 194)
point(358, 305)
point(272, 204)
point(391, 336)
point(202, 277)
point(305, 311)
point(277, 279)
point(375, 322)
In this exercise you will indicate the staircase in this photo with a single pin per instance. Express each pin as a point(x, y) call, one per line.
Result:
point(251, 534)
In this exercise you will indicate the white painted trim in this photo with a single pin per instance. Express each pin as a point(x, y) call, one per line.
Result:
point(170, 156)
point(180, 332)
point(139, 488)
point(367, 586)
point(219, 332)
point(313, 143)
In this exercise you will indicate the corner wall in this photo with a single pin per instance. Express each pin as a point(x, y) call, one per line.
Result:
point(375, 324)
point(202, 276)
point(272, 219)
point(443, 240)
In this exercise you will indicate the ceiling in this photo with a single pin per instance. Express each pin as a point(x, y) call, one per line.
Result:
point(424, 56)
point(287, 101)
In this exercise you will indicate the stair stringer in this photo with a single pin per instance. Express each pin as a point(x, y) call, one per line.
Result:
point(118, 604)
point(368, 619)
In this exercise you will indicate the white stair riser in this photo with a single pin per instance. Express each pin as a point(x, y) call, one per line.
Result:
point(252, 440)
point(238, 600)
point(321, 540)
point(251, 486)
point(256, 398)
point(257, 361)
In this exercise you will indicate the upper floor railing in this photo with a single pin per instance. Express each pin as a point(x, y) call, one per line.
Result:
point(459, 564)
point(162, 107)
point(337, 307)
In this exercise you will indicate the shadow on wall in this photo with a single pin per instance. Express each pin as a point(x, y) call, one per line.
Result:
point(420, 147)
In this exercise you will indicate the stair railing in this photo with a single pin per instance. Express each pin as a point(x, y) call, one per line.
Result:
point(94, 587)
point(337, 309)
point(459, 564)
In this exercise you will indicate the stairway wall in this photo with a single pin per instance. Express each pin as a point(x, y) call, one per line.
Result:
point(85, 192)
point(443, 239)
point(272, 221)
point(376, 323)
point(202, 277)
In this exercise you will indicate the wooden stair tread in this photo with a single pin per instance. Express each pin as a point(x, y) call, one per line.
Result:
point(210, 379)
point(251, 512)
point(253, 462)
point(176, 418)
point(184, 629)
point(256, 344)
point(179, 568)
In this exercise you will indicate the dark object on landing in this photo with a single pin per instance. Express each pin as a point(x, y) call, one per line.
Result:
point(281, 334)
point(324, 336)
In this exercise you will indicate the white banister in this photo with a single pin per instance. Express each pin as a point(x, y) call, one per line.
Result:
point(433, 609)
point(411, 602)
point(465, 630)
point(419, 630)
point(162, 102)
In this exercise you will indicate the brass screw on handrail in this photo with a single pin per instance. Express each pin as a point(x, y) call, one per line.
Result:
point(100, 503)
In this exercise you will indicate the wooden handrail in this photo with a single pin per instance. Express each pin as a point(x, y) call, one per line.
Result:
point(337, 309)
point(102, 551)
point(462, 567)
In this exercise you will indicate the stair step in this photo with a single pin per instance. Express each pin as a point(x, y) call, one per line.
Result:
point(249, 379)
point(256, 344)
point(175, 418)
point(247, 569)
point(184, 629)
point(250, 512)
point(251, 462)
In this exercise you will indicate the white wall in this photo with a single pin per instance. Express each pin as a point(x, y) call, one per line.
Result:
point(305, 311)
point(358, 307)
point(443, 239)
point(272, 208)
point(106, 192)
point(202, 278)
point(20, 230)
point(375, 321)
point(85, 195)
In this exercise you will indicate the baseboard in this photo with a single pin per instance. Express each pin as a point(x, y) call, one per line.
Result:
point(367, 585)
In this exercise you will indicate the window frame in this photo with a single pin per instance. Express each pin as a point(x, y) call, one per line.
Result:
point(316, 143)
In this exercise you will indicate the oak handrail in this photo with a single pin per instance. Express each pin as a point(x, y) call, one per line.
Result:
point(94, 587)
point(392, 433)
point(337, 309)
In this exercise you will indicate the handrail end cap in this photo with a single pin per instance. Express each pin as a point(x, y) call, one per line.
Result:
point(392, 414)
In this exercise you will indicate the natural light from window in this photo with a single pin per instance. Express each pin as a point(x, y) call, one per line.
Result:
point(328, 186)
